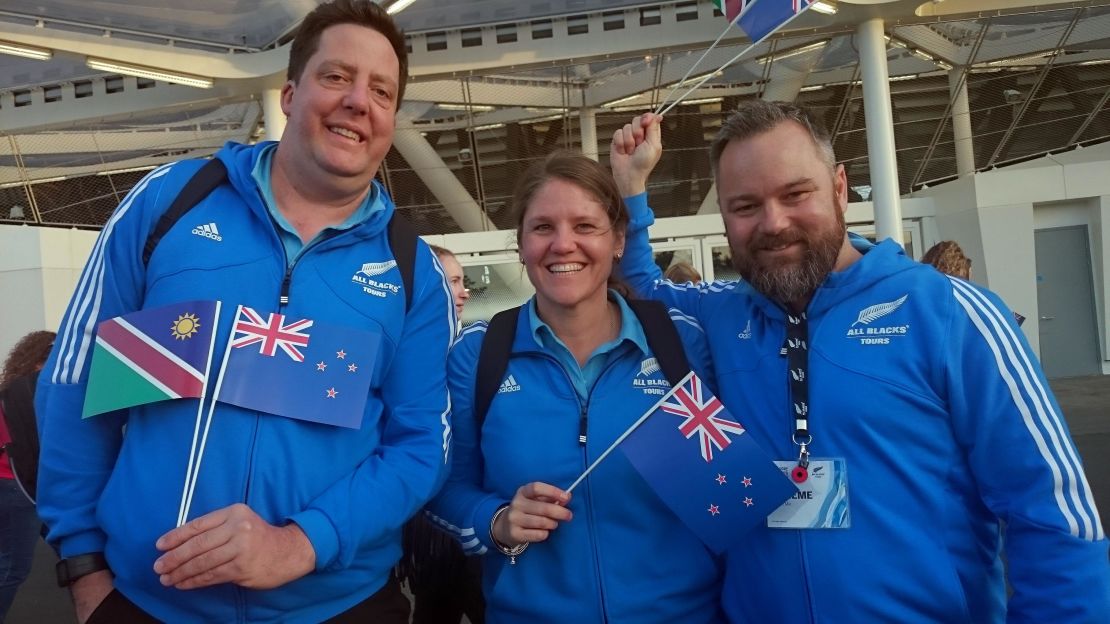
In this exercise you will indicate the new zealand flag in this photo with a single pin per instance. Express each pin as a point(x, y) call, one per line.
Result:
point(300, 368)
point(704, 466)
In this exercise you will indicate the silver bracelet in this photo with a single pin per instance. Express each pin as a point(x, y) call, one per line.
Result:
point(511, 553)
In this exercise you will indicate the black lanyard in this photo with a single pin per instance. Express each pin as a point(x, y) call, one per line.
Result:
point(797, 359)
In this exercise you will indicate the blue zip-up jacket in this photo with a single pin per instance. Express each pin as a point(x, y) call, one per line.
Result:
point(929, 391)
point(624, 557)
point(104, 489)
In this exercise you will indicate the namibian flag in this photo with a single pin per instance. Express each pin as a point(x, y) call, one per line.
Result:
point(731, 8)
point(151, 355)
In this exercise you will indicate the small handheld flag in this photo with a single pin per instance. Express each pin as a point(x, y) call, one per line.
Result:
point(701, 463)
point(301, 369)
point(151, 355)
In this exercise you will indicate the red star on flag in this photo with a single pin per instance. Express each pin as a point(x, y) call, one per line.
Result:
point(332, 393)
point(321, 366)
point(352, 367)
point(713, 510)
point(721, 479)
point(341, 354)
point(748, 502)
point(747, 481)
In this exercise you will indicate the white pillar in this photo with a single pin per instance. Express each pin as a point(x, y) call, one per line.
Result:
point(961, 122)
point(272, 115)
point(880, 130)
point(454, 197)
point(587, 127)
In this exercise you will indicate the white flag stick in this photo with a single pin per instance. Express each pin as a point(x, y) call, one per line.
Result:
point(200, 410)
point(705, 79)
point(192, 484)
point(628, 432)
point(679, 84)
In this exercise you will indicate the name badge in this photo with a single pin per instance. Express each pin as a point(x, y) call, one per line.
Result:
point(821, 501)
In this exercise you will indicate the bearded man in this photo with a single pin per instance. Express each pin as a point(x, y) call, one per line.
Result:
point(906, 405)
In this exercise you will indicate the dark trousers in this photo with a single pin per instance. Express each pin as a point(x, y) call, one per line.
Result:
point(19, 532)
point(387, 606)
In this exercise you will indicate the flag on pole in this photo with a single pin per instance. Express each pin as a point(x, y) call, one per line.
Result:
point(731, 8)
point(704, 466)
point(151, 355)
point(766, 16)
point(301, 369)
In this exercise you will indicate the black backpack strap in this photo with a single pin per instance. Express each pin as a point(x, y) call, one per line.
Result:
point(662, 337)
point(493, 360)
point(402, 242)
point(207, 178)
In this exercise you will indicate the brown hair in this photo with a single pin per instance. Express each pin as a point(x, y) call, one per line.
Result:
point(949, 258)
point(753, 117)
point(682, 272)
point(586, 174)
point(441, 252)
point(359, 12)
point(27, 356)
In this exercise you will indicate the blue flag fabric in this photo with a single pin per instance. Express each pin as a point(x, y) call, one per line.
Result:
point(764, 17)
point(301, 369)
point(151, 355)
point(705, 467)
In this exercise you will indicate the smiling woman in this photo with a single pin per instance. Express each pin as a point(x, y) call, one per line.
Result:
point(579, 373)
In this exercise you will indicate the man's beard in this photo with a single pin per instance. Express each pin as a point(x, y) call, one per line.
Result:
point(791, 281)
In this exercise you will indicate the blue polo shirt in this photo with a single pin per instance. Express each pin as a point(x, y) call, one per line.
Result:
point(584, 377)
point(290, 239)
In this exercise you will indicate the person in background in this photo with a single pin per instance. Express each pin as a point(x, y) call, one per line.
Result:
point(682, 273)
point(949, 258)
point(291, 520)
point(612, 552)
point(455, 277)
point(905, 404)
point(445, 584)
point(19, 524)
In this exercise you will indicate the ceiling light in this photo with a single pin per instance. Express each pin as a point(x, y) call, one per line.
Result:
point(901, 78)
point(925, 56)
point(778, 56)
point(708, 100)
point(31, 52)
point(943, 65)
point(824, 6)
point(623, 100)
point(149, 72)
point(478, 108)
point(398, 6)
point(487, 127)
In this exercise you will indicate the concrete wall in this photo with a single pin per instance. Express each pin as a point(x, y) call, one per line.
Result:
point(39, 269)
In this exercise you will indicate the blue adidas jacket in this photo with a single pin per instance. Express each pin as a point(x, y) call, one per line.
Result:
point(349, 490)
point(624, 557)
point(948, 428)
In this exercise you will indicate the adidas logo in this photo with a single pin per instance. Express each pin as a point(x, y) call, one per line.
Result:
point(208, 230)
point(509, 385)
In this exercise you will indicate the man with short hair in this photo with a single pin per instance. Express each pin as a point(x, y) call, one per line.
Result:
point(292, 520)
point(906, 405)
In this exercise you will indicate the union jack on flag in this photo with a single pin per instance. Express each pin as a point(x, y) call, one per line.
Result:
point(271, 334)
point(701, 414)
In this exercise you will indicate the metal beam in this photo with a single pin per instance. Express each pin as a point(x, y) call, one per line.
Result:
point(1024, 106)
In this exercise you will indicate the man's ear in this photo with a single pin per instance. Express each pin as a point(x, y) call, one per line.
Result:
point(840, 188)
point(287, 90)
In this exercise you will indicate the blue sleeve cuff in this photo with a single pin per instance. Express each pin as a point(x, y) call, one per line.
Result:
point(321, 534)
point(640, 216)
point(81, 543)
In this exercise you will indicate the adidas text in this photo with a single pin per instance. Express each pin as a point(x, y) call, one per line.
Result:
point(509, 385)
point(208, 230)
